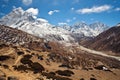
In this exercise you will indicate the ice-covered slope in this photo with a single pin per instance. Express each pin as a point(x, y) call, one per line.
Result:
point(27, 22)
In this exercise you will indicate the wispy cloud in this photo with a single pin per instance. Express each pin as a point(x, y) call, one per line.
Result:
point(74, 18)
point(55, 2)
point(2, 14)
point(117, 9)
point(68, 20)
point(62, 23)
point(14, 7)
point(43, 20)
point(75, 1)
point(52, 12)
point(94, 9)
point(3, 5)
point(27, 2)
point(33, 11)
point(6, 0)
point(72, 9)
point(92, 19)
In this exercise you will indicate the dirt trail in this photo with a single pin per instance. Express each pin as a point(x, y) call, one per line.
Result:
point(9, 51)
point(18, 59)
point(98, 53)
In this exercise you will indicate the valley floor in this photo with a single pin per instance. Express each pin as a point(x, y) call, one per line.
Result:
point(98, 53)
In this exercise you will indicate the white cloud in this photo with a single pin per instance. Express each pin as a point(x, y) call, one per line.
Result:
point(72, 9)
point(27, 2)
point(94, 9)
point(68, 20)
point(117, 9)
point(62, 23)
point(14, 7)
point(33, 11)
point(42, 20)
point(74, 18)
point(52, 12)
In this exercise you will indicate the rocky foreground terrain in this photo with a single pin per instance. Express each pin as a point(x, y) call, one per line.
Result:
point(36, 59)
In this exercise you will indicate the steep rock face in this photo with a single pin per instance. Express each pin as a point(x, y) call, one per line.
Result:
point(14, 36)
point(108, 40)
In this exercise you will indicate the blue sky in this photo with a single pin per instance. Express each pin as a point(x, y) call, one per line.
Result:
point(68, 11)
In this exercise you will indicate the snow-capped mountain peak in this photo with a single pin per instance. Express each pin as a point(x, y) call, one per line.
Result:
point(18, 10)
point(98, 28)
point(80, 25)
point(118, 25)
point(91, 30)
point(16, 16)
point(27, 21)
point(98, 25)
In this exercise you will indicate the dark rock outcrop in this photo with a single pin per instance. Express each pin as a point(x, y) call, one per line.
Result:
point(14, 36)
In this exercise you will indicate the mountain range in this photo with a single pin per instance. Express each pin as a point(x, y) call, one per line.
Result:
point(31, 49)
point(24, 56)
point(25, 21)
